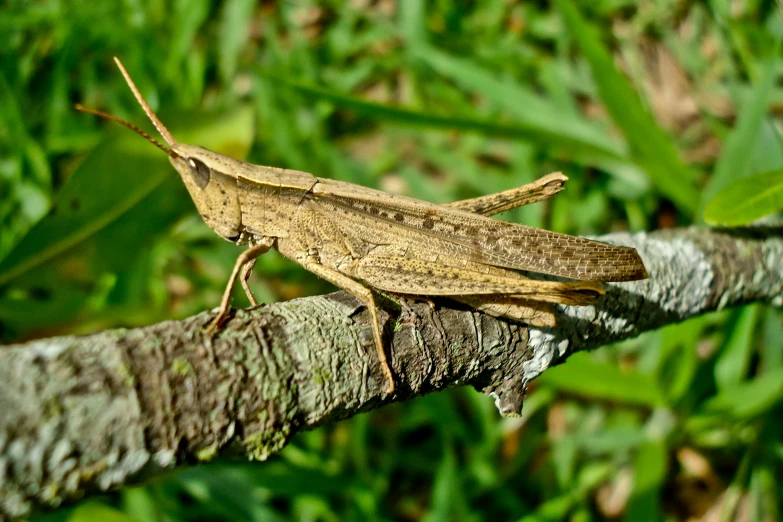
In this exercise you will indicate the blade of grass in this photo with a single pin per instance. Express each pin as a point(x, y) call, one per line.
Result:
point(733, 362)
point(235, 20)
point(650, 145)
point(412, 24)
point(526, 107)
point(649, 466)
point(749, 398)
point(519, 130)
point(733, 164)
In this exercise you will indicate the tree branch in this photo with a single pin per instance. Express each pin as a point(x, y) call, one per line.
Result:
point(91, 413)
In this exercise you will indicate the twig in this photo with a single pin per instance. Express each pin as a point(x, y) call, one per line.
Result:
point(92, 413)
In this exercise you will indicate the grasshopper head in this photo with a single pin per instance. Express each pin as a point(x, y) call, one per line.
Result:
point(213, 191)
point(204, 172)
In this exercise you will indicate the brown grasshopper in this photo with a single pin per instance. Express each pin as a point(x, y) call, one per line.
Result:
point(358, 238)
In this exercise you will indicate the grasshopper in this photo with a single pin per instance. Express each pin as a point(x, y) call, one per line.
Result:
point(358, 238)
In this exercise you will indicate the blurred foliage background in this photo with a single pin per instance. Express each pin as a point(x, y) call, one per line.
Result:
point(650, 108)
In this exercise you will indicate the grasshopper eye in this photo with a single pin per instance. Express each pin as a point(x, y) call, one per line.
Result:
point(199, 172)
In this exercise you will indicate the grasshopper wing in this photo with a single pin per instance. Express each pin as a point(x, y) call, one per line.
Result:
point(382, 218)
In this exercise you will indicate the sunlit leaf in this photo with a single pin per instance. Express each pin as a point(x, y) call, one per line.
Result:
point(115, 178)
point(91, 512)
point(746, 200)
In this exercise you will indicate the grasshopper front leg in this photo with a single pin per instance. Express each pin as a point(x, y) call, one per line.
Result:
point(246, 259)
point(244, 275)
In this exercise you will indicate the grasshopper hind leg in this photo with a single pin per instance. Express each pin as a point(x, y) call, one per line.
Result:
point(527, 311)
point(364, 295)
point(542, 188)
point(425, 277)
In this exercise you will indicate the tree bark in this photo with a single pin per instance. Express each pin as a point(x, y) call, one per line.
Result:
point(87, 414)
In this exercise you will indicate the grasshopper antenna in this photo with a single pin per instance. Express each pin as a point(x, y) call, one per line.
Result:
point(111, 117)
point(151, 115)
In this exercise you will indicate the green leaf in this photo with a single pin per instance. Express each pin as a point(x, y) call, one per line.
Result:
point(116, 177)
point(746, 200)
point(583, 376)
point(92, 511)
point(650, 145)
point(556, 508)
point(61, 302)
point(139, 504)
point(749, 399)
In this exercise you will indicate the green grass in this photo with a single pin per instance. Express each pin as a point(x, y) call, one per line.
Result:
point(439, 101)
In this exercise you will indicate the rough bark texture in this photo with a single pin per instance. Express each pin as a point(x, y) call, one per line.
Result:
point(91, 413)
